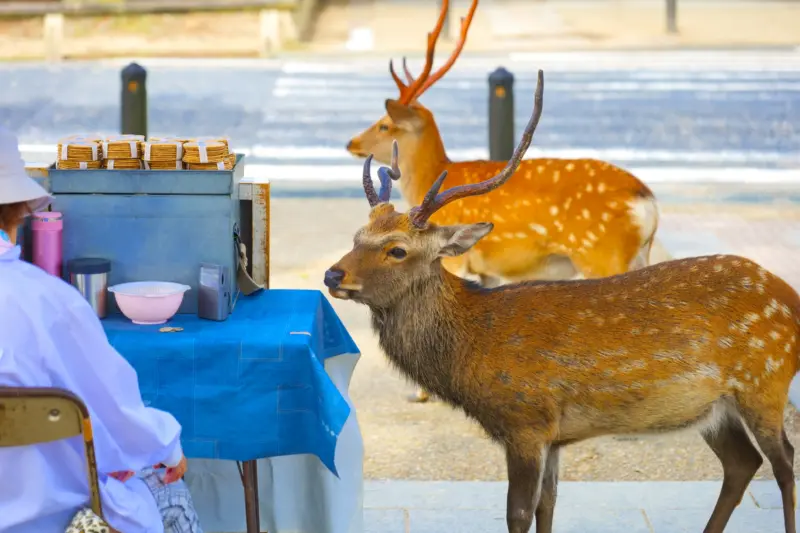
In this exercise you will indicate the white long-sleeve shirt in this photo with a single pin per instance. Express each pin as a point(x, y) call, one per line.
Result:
point(50, 337)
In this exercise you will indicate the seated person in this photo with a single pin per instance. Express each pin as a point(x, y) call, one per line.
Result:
point(50, 337)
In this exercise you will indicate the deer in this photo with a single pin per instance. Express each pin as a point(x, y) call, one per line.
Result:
point(708, 343)
point(557, 219)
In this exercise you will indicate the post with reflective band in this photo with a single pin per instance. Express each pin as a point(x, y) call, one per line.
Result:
point(501, 115)
point(134, 100)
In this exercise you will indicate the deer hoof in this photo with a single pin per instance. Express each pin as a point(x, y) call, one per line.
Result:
point(419, 396)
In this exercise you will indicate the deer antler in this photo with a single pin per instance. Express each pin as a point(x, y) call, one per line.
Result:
point(462, 39)
point(385, 174)
point(434, 200)
point(407, 92)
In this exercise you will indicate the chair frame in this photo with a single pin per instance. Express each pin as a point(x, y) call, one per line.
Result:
point(22, 397)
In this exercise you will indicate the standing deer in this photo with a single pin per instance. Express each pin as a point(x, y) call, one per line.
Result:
point(707, 342)
point(557, 219)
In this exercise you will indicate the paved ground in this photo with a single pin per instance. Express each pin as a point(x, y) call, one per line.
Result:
point(667, 116)
point(559, 25)
point(646, 507)
point(401, 25)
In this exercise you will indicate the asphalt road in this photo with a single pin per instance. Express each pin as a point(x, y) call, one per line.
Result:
point(706, 112)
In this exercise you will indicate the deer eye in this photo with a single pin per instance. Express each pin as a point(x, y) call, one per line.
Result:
point(397, 252)
point(383, 127)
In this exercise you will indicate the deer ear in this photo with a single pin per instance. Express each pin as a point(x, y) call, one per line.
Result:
point(401, 114)
point(459, 239)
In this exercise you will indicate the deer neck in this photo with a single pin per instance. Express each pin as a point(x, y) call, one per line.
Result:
point(422, 335)
point(426, 162)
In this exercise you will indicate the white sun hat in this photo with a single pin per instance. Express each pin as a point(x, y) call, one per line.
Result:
point(15, 184)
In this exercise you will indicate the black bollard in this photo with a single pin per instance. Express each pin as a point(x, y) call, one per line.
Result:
point(134, 100)
point(672, 16)
point(501, 115)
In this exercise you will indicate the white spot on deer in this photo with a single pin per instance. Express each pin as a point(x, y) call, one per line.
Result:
point(585, 214)
point(538, 228)
point(567, 203)
point(785, 311)
point(601, 187)
point(602, 228)
point(589, 187)
point(760, 288)
point(494, 238)
point(591, 172)
point(787, 347)
point(762, 273)
point(606, 216)
point(735, 384)
point(756, 343)
point(559, 226)
point(725, 342)
point(508, 235)
point(572, 238)
point(553, 210)
point(569, 167)
point(591, 236)
point(587, 243)
point(498, 218)
point(578, 195)
point(774, 335)
point(528, 175)
point(540, 169)
point(746, 283)
point(612, 205)
point(556, 176)
point(644, 213)
point(520, 235)
point(752, 317)
point(771, 308)
point(538, 200)
point(526, 203)
point(772, 365)
point(635, 331)
point(717, 268)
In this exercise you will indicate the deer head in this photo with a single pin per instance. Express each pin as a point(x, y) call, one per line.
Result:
point(406, 120)
point(396, 251)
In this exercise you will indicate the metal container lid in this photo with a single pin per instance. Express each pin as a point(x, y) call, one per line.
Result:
point(89, 265)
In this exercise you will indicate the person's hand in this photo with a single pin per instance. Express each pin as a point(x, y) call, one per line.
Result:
point(122, 476)
point(174, 473)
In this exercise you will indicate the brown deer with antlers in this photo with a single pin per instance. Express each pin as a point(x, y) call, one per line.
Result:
point(557, 219)
point(707, 342)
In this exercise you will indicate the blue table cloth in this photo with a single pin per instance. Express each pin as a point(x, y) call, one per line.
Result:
point(251, 387)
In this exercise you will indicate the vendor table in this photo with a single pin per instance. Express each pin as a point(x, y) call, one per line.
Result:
point(267, 387)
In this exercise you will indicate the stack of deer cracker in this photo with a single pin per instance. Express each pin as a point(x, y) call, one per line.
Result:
point(163, 153)
point(79, 152)
point(122, 152)
point(208, 153)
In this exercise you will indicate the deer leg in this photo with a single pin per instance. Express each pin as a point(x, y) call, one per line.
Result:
point(525, 473)
point(547, 501)
point(775, 445)
point(740, 462)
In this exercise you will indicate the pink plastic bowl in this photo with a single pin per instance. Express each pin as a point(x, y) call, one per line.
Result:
point(149, 302)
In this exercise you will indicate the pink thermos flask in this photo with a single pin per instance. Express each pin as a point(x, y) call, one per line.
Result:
point(46, 236)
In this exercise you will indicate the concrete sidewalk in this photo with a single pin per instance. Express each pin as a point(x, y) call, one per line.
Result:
point(583, 507)
point(518, 25)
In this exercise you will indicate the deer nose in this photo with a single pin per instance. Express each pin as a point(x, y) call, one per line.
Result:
point(350, 144)
point(333, 278)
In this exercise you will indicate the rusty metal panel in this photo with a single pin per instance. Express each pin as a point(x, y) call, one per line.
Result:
point(261, 231)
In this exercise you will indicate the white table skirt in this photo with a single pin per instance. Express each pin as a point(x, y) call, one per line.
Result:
point(297, 493)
